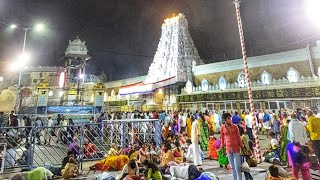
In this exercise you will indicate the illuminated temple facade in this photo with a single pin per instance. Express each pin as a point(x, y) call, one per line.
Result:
point(177, 79)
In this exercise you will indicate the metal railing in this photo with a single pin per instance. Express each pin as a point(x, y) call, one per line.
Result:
point(88, 141)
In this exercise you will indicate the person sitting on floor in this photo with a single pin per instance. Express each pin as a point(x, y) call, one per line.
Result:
point(134, 153)
point(66, 159)
point(39, 173)
point(25, 155)
point(190, 172)
point(167, 156)
point(130, 170)
point(282, 172)
point(143, 153)
point(178, 153)
point(189, 153)
point(113, 151)
point(113, 163)
point(74, 147)
point(90, 151)
point(71, 169)
point(274, 151)
point(314, 170)
point(155, 153)
point(274, 174)
point(152, 170)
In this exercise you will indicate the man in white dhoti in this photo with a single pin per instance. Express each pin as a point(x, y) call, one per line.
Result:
point(195, 135)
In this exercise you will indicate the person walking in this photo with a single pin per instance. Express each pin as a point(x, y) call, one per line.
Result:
point(230, 139)
point(314, 130)
point(195, 138)
point(249, 120)
point(276, 126)
point(49, 131)
point(38, 125)
point(28, 128)
point(297, 130)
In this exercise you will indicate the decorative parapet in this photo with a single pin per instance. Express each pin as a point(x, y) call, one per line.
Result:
point(76, 47)
point(258, 85)
point(270, 93)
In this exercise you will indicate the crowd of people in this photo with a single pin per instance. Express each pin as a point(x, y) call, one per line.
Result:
point(229, 137)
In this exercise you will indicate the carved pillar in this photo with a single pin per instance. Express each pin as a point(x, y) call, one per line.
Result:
point(263, 106)
point(294, 105)
point(238, 107)
point(303, 104)
point(310, 60)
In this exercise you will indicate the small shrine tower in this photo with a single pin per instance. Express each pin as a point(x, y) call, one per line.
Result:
point(76, 56)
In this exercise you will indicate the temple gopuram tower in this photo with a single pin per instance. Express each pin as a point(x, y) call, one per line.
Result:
point(76, 56)
point(175, 56)
point(176, 52)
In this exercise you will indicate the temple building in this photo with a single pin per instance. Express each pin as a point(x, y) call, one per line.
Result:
point(178, 79)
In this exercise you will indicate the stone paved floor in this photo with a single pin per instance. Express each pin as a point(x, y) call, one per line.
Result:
point(208, 165)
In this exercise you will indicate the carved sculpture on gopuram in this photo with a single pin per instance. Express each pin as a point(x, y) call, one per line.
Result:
point(175, 53)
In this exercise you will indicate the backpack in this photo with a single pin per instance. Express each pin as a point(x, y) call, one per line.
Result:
point(266, 118)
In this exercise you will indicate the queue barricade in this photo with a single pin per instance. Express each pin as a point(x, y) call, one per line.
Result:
point(49, 145)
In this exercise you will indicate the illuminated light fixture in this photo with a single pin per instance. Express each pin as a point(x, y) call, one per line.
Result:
point(81, 76)
point(39, 27)
point(61, 93)
point(312, 10)
point(50, 93)
point(92, 97)
point(160, 91)
point(13, 26)
point(61, 79)
point(105, 96)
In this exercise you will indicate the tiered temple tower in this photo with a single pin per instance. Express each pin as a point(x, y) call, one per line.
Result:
point(76, 56)
point(176, 53)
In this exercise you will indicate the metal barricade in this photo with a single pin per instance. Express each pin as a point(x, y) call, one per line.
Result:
point(89, 141)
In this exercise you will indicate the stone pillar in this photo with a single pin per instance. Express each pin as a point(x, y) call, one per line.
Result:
point(263, 106)
point(310, 60)
point(294, 105)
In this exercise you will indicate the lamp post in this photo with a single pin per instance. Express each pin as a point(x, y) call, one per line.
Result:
point(24, 57)
point(245, 63)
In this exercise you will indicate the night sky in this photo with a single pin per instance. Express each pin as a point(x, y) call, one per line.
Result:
point(122, 35)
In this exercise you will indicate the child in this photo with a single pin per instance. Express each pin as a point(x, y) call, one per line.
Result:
point(217, 143)
point(71, 169)
point(274, 174)
point(273, 151)
point(143, 153)
point(276, 126)
point(314, 170)
point(222, 158)
point(282, 172)
point(213, 153)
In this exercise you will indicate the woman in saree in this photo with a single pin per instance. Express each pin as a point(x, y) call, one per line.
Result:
point(208, 120)
point(284, 142)
point(204, 134)
point(113, 163)
point(178, 153)
point(167, 156)
point(189, 125)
